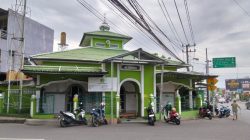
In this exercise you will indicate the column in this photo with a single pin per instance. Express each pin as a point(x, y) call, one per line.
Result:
point(38, 94)
point(32, 106)
point(1, 102)
point(190, 95)
point(117, 106)
point(75, 102)
point(178, 102)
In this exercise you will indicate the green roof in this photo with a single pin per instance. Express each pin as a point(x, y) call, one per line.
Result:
point(82, 54)
point(61, 69)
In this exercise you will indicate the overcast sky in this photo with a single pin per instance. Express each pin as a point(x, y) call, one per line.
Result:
point(221, 26)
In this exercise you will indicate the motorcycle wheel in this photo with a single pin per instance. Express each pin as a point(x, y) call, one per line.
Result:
point(63, 123)
point(166, 120)
point(227, 115)
point(220, 116)
point(84, 120)
point(105, 121)
point(94, 121)
point(177, 122)
point(210, 117)
point(151, 121)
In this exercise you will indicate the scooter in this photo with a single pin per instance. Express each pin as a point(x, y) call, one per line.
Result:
point(151, 116)
point(98, 116)
point(68, 118)
point(224, 112)
point(205, 112)
point(174, 117)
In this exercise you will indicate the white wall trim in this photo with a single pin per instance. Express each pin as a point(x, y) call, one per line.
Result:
point(142, 90)
point(130, 79)
point(155, 89)
point(118, 91)
point(137, 82)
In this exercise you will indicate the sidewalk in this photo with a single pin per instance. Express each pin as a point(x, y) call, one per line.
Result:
point(28, 121)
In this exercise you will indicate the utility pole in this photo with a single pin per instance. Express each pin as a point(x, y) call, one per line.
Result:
point(22, 47)
point(187, 53)
point(207, 72)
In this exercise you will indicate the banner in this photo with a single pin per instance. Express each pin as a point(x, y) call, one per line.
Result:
point(238, 84)
point(100, 84)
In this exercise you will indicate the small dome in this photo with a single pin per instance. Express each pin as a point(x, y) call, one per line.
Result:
point(104, 26)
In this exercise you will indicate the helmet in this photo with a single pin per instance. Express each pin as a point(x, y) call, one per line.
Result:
point(102, 104)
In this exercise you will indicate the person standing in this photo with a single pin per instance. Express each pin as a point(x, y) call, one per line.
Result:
point(235, 107)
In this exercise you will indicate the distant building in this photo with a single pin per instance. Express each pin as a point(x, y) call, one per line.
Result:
point(37, 39)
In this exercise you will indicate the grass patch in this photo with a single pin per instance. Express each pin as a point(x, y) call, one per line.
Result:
point(192, 114)
point(44, 116)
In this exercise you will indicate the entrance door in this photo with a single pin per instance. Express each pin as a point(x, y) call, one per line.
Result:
point(130, 99)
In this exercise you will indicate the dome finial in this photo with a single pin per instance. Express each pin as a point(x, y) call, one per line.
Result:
point(104, 26)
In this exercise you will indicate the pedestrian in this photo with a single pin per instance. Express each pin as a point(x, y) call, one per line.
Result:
point(235, 107)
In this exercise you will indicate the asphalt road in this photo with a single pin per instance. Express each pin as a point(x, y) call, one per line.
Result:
point(203, 129)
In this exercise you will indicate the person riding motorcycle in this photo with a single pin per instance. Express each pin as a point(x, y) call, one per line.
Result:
point(168, 108)
point(172, 113)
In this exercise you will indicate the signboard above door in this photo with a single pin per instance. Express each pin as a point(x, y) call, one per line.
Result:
point(102, 84)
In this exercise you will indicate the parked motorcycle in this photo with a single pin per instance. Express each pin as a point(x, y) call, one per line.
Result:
point(224, 112)
point(210, 107)
point(98, 116)
point(151, 116)
point(68, 118)
point(174, 117)
point(205, 112)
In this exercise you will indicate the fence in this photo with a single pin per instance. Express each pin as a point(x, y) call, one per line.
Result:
point(14, 101)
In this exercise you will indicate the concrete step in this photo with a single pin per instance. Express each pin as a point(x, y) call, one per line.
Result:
point(42, 122)
point(12, 120)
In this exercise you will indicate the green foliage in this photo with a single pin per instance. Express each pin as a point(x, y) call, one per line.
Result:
point(189, 114)
point(19, 115)
point(44, 116)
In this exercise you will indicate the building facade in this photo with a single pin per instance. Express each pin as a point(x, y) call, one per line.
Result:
point(101, 70)
point(37, 39)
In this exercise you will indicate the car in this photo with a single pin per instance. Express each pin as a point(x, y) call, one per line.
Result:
point(248, 104)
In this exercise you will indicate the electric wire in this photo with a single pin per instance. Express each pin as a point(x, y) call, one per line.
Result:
point(169, 17)
point(189, 21)
point(245, 11)
point(176, 7)
point(141, 21)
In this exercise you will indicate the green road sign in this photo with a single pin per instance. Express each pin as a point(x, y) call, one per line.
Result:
point(224, 62)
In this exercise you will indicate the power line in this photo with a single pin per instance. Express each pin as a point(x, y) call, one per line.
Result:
point(171, 28)
point(176, 7)
point(171, 22)
point(131, 25)
point(100, 16)
point(138, 17)
point(189, 21)
point(242, 8)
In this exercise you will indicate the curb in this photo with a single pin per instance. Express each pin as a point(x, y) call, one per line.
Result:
point(12, 120)
point(37, 122)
